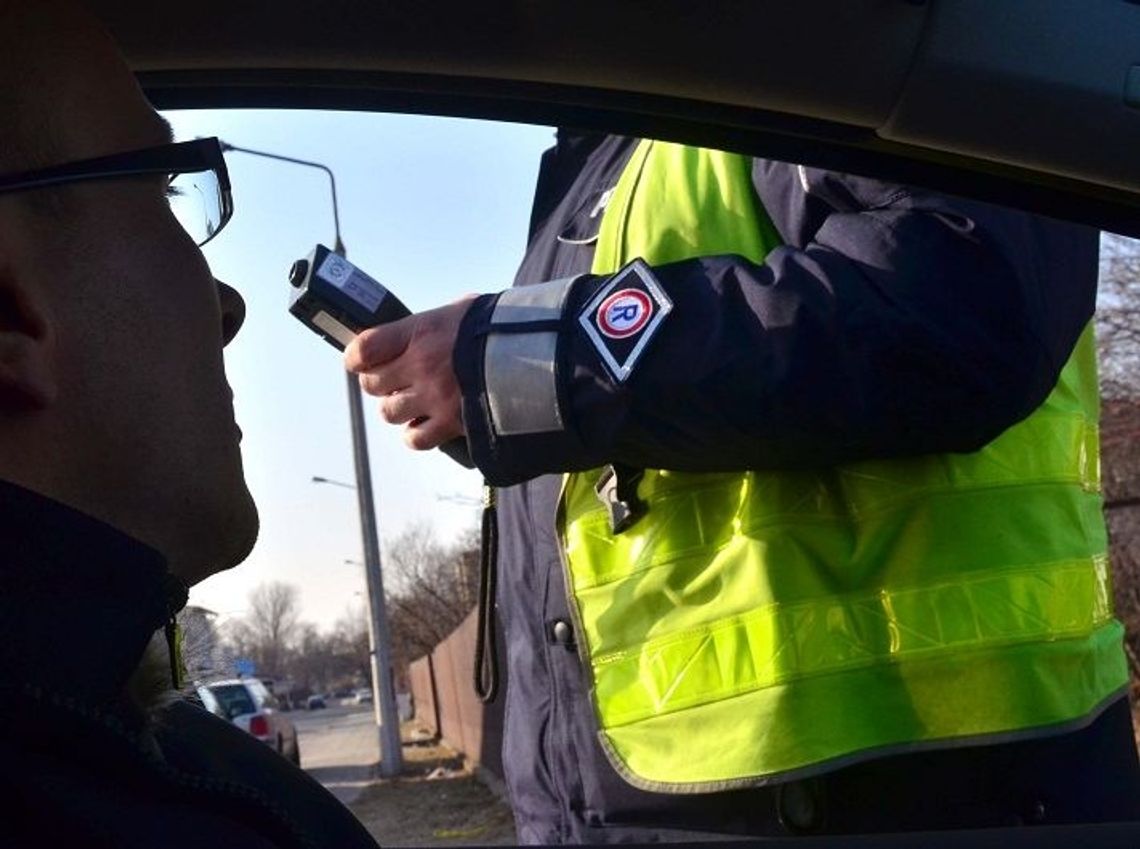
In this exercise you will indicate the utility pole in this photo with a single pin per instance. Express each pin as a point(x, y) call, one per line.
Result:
point(383, 688)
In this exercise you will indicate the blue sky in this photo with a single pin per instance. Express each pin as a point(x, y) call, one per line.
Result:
point(434, 208)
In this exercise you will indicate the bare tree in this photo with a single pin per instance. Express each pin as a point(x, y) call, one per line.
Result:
point(280, 645)
point(274, 616)
point(1118, 317)
point(309, 660)
point(433, 589)
point(1118, 332)
point(351, 645)
point(334, 659)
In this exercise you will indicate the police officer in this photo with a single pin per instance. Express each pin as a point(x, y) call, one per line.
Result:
point(800, 518)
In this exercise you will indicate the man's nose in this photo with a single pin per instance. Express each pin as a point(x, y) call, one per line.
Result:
point(233, 311)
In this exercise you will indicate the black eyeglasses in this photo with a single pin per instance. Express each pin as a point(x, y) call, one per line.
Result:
point(198, 187)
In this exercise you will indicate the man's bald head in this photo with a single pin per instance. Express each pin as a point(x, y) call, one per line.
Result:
point(68, 93)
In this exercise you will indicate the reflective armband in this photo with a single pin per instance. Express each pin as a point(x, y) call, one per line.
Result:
point(519, 360)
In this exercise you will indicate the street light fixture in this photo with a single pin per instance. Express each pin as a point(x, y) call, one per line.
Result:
point(338, 245)
point(391, 756)
point(319, 479)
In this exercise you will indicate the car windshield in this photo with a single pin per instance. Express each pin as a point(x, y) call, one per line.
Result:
point(234, 699)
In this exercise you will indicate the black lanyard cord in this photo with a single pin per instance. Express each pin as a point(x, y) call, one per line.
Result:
point(486, 659)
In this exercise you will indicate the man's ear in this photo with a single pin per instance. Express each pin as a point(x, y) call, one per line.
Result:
point(27, 378)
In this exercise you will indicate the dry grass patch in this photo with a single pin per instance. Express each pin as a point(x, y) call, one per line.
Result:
point(436, 802)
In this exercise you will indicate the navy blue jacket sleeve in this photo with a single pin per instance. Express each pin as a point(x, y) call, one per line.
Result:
point(892, 322)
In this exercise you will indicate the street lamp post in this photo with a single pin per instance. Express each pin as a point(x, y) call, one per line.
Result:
point(383, 691)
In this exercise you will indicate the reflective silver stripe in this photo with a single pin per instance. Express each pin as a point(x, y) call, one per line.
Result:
point(521, 389)
point(540, 302)
point(518, 368)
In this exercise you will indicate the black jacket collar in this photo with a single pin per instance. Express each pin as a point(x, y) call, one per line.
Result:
point(78, 599)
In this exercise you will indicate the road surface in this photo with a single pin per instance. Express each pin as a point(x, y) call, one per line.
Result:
point(340, 747)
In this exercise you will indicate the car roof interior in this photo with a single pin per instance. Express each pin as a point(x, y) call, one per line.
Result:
point(1018, 102)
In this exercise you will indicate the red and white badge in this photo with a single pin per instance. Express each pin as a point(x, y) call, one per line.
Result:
point(624, 315)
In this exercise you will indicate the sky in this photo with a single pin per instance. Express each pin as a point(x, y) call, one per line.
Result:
point(433, 208)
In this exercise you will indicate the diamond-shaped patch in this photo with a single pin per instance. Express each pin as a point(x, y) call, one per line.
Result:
point(624, 315)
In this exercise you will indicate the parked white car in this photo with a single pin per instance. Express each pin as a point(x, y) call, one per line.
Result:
point(248, 704)
point(362, 697)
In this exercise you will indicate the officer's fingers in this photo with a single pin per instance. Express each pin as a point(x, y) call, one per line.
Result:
point(386, 379)
point(400, 407)
point(379, 345)
point(426, 433)
point(418, 435)
point(440, 419)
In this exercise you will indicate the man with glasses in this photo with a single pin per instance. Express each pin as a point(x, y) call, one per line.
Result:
point(120, 471)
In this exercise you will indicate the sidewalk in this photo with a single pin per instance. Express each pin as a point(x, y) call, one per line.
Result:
point(436, 801)
point(341, 752)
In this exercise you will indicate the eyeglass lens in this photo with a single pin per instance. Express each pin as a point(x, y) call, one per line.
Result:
point(196, 201)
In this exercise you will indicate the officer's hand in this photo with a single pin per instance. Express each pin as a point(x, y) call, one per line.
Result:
point(407, 364)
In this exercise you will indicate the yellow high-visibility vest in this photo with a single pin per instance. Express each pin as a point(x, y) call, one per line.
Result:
point(761, 626)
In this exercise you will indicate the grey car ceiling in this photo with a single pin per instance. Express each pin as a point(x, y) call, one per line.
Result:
point(1029, 102)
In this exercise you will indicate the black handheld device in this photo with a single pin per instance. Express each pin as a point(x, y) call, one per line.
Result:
point(336, 300)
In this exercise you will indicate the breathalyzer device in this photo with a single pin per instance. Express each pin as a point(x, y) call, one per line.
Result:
point(336, 300)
